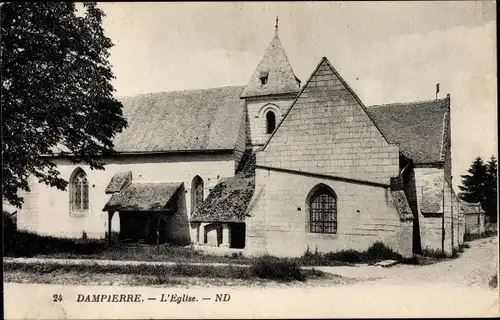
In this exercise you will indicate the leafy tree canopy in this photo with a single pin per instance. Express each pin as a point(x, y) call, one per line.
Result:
point(56, 92)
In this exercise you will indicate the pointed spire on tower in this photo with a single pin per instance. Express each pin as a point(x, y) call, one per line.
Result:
point(274, 74)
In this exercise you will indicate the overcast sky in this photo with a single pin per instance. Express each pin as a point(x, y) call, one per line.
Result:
point(386, 51)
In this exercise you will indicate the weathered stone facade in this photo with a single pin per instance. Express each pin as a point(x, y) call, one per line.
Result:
point(278, 222)
point(327, 131)
point(257, 109)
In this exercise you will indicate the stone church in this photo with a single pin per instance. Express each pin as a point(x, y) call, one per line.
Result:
point(276, 166)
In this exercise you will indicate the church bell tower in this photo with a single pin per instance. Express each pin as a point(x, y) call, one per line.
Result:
point(269, 93)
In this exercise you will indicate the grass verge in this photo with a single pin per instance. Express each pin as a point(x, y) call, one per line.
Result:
point(263, 268)
point(26, 244)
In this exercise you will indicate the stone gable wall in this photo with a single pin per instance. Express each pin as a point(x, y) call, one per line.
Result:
point(328, 132)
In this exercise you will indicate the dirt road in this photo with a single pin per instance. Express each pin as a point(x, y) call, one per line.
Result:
point(474, 267)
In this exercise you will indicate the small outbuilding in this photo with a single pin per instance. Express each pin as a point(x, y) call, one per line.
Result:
point(474, 218)
point(151, 213)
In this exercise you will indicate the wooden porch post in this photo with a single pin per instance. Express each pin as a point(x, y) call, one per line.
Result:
point(110, 218)
point(158, 217)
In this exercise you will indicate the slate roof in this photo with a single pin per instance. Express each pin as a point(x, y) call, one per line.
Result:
point(143, 197)
point(206, 119)
point(228, 201)
point(119, 181)
point(417, 127)
point(281, 78)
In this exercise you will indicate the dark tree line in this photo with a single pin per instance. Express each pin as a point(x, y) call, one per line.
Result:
point(56, 91)
point(480, 185)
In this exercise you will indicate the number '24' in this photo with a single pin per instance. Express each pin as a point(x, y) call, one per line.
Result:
point(57, 298)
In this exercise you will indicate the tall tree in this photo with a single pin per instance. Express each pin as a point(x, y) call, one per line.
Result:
point(56, 92)
point(473, 183)
point(490, 190)
point(480, 185)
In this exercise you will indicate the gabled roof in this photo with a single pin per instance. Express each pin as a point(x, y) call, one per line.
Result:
point(417, 127)
point(190, 120)
point(143, 197)
point(281, 78)
point(119, 181)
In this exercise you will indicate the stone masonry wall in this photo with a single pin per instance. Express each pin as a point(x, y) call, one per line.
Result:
point(431, 223)
point(328, 132)
point(177, 224)
point(279, 217)
point(448, 219)
point(256, 110)
point(456, 221)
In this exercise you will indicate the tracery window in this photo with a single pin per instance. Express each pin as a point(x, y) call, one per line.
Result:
point(79, 193)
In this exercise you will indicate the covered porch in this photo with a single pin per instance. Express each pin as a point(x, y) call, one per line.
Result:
point(149, 213)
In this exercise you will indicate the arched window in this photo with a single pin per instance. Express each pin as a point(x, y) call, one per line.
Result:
point(322, 210)
point(270, 122)
point(196, 193)
point(79, 191)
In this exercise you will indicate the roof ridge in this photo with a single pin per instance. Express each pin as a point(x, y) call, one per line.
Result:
point(179, 91)
point(404, 104)
point(154, 182)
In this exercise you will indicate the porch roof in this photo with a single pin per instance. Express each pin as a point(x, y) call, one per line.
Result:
point(119, 181)
point(143, 197)
point(230, 198)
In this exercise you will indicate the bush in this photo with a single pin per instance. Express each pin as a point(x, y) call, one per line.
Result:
point(378, 252)
point(375, 253)
point(284, 270)
point(9, 223)
point(434, 253)
point(27, 244)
